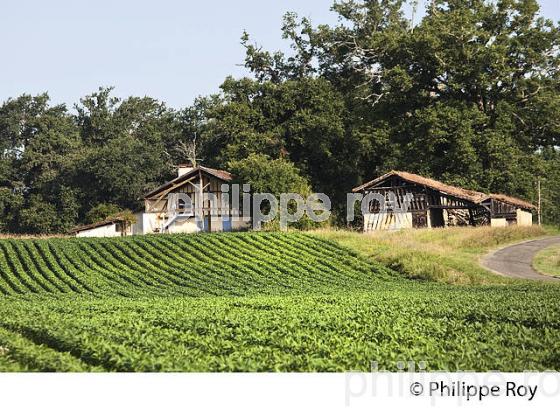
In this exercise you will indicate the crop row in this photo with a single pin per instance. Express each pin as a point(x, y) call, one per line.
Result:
point(183, 265)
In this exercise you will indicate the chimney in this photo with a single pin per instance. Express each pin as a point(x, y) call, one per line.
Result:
point(183, 169)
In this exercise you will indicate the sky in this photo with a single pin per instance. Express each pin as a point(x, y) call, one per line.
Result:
point(171, 50)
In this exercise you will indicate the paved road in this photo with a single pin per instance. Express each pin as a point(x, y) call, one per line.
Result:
point(516, 260)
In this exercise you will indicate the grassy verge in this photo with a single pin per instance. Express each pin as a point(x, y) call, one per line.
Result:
point(449, 255)
point(547, 261)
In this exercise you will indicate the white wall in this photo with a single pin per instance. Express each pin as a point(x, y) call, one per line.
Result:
point(150, 222)
point(524, 218)
point(184, 226)
point(216, 225)
point(137, 227)
point(387, 221)
point(498, 222)
point(107, 231)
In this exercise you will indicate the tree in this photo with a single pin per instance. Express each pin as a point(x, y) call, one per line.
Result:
point(111, 151)
point(40, 148)
point(272, 176)
point(470, 95)
point(39, 217)
point(101, 212)
point(10, 206)
point(303, 121)
point(266, 175)
point(128, 147)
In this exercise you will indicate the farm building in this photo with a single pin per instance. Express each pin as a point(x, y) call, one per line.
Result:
point(434, 204)
point(192, 202)
point(114, 226)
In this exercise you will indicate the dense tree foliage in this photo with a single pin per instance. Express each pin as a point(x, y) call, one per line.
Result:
point(57, 166)
point(271, 176)
point(469, 95)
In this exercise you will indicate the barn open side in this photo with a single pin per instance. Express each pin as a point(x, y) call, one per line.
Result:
point(434, 204)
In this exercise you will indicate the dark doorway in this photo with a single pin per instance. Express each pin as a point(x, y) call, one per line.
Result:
point(436, 218)
point(419, 220)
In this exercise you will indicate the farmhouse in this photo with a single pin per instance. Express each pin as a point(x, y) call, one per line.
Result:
point(195, 201)
point(435, 204)
point(200, 199)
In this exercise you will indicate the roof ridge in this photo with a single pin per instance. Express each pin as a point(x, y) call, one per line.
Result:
point(463, 193)
point(118, 217)
point(468, 194)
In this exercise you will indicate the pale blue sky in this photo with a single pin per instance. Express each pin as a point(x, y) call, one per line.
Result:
point(169, 49)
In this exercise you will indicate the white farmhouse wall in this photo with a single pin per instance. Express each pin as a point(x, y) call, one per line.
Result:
point(151, 223)
point(107, 231)
point(216, 225)
point(184, 226)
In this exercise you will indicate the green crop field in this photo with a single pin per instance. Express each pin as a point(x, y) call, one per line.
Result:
point(254, 302)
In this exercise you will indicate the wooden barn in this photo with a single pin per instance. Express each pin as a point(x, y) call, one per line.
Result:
point(434, 204)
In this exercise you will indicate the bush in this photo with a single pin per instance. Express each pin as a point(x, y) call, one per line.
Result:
point(101, 212)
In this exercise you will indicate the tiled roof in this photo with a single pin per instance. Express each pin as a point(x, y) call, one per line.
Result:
point(108, 221)
point(466, 194)
point(513, 201)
